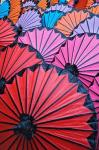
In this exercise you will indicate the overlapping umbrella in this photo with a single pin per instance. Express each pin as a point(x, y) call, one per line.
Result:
point(68, 22)
point(4, 9)
point(8, 33)
point(47, 42)
point(14, 59)
point(29, 20)
point(80, 56)
point(41, 116)
point(90, 25)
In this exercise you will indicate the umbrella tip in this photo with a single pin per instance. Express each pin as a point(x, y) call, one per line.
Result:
point(2, 85)
point(72, 68)
point(25, 126)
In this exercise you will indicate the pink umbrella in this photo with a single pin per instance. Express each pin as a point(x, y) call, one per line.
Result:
point(81, 57)
point(94, 93)
point(47, 42)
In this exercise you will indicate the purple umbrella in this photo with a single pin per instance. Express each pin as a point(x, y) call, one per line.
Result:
point(90, 25)
point(29, 20)
point(29, 4)
point(60, 7)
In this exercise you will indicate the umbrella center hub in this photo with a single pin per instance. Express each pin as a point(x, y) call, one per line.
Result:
point(25, 126)
point(2, 84)
point(72, 68)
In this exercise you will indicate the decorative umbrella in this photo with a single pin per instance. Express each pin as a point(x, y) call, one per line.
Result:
point(15, 10)
point(59, 7)
point(7, 33)
point(94, 9)
point(29, 20)
point(44, 113)
point(15, 59)
point(42, 4)
point(81, 4)
point(90, 25)
point(4, 9)
point(94, 93)
point(47, 42)
point(50, 18)
point(68, 22)
point(28, 5)
point(80, 56)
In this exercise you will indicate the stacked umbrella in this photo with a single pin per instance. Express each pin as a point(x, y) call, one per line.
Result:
point(49, 75)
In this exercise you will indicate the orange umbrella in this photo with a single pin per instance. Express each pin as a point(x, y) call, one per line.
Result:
point(68, 22)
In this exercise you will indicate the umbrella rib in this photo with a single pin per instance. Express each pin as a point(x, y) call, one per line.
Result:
point(8, 116)
point(40, 143)
point(59, 61)
point(46, 41)
point(64, 139)
point(26, 96)
point(9, 137)
point(31, 102)
point(56, 99)
point(60, 108)
point(65, 118)
point(19, 95)
point(23, 64)
point(9, 107)
point(63, 57)
point(75, 61)
point(19, 143)
point(69, 128)
point(1, 122)
point(87, 55)
point(9, 61)
point(72, 62)
point(13, 101)
point(15, 140)
point(57, 148)
point(3, 62)
point(14, 62)
point(49, 94)
point(84, 49)
point(41, 91)
point(35, 143)
point(40, 42)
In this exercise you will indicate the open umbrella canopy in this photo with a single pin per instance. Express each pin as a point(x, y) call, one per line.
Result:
point(47, 42)
point(44, 113)
point(50, 18)
point(80, 56)
point(15, 59)
point(4, 9)
point(67, 23)
point(90, 25)
point(8, 33)
point(29, 20)
point(60, 7)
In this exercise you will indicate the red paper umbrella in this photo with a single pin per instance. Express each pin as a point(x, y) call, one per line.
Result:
point(43, 113)
point(94, 93)
point(14, 59)
point(81, 56)
point(7, 33)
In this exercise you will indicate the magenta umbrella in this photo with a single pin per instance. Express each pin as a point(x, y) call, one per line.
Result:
point(94, 93)
point(80, 55)
point(47, 42)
